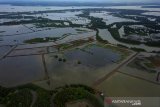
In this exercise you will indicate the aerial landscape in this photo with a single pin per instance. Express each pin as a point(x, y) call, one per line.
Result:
point(74, 54)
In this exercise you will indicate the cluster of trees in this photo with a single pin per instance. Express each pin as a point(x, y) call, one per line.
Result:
point(12, 97)
point(73, 93)
point(141, 19)
point(98, 38)
point(21, 98)
point(3, 93)
point(128, 30)
point(41, 40)
point(114, 32)
point(156, 44)
point(95, 22)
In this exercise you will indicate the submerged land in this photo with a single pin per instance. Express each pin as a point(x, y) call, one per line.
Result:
point(84, 53)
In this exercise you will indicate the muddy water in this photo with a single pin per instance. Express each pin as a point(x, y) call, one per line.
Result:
point(20, 70)
point(105, 34)
point(93, 66)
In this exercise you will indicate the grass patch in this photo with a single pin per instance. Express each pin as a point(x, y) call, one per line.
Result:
point(122, 51)
point(79, 62)
point(149, 65)
point(138, 49)
point(19, 98)
point(114, 32)
point(69, 94)
point(41, 40)
point(43, 98)
point(74, 44)
point(22, 97)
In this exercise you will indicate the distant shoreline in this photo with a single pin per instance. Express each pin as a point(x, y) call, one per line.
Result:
point(51, 3)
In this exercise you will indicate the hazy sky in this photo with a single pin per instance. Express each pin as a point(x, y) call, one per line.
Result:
point(93, 0)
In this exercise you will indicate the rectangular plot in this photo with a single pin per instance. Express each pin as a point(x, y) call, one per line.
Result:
point(14, 29)
point(28, 52)
point(120, 85)
point(35, 45)
point(4, 50)
point(20, 70)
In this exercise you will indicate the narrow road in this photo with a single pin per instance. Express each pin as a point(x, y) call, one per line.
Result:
point(8, 52)
point(51, 101)
point(156, 83)
point(113, 71)
point(28, 28)
point(34, 98)
point(45, 66)
point(46, 71)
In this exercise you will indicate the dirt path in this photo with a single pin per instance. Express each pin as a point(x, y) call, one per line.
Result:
point(45, 66)
point(156, 83)
point(29, 28)
point(99, 81)
point(34, 98)
point(51, 101)
point(7, 53)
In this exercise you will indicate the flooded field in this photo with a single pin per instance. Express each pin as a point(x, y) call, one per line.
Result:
point(13, 30)
point(110, 19)
point(84, 64)
point(68, 16)
point(124, 85)
point(83, 61)
point(152, 13)
point(105, 34)
point(23, 52)
point(52, 33)
point(100, 47)
point(145, 66)
point(4, 50)
point(21, 70)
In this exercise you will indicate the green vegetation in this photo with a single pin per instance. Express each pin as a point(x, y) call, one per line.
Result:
point(22, 96)
point(138, 49)
point(55, 23)
point(99, 39)
point(139, 31)
point(74, 43)
point(43, 98)
point(43, 22)
point(65, 35)
point(156, 44)
point(19, 98)
point(56, 56)
point(95, 22)
point(14, 97)
point(64, 60)
point(81, 30)
point(64, 46)
point(41, 40)
point(122, 46)
point(60, 59)
point(122, 51)
point(114, 32)
point(78, 62)
point(76, 93)
point(4, 92)
point(149, 65)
